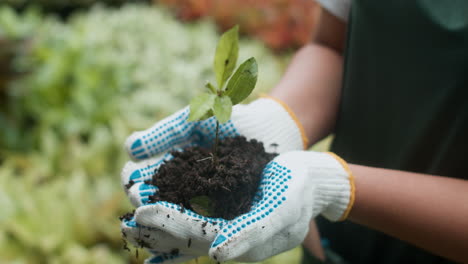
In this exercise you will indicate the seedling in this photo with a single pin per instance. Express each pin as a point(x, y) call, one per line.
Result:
point(226, 187)
point(214, 191)
point(218, 101)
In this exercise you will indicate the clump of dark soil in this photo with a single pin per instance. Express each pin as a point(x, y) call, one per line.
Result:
point(127, 216)
point(230, 184)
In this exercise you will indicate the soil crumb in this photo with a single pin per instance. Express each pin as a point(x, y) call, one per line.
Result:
point(127, 216)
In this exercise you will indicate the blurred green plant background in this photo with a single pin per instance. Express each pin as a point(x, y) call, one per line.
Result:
point(71, 91)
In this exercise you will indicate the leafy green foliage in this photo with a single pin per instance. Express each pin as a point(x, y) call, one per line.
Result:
point(14, 44)
point(226, 55)
point(243, 81)
point(91, 83)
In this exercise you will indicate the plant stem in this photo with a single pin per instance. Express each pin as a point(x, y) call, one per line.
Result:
point(215, 146)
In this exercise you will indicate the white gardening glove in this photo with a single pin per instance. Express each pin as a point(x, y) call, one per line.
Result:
point(296, 187)
point(266, 120)
point(156, 228)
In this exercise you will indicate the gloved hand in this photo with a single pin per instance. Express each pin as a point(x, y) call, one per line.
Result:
point(147, 228)
point(266, 120)
point(296, 187)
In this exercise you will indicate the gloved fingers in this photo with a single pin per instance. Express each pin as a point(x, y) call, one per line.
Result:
point(181, 223)
point(161, 137)
point(271, 213)
point(259, 118)
point(155, 239)
point(237, 238)
point(288, 238)
point(141, 171)
point(168, 258)
point(149, 238)
point(260, 243)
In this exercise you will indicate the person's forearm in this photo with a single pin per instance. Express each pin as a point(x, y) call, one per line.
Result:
point(430, 212)
point(312, 241)
point(311, 87)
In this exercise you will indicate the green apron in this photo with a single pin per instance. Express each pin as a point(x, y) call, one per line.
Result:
point(404, 106)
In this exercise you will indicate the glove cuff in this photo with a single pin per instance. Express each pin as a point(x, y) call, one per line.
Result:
point(272, 122)
point(352, 186)
point(335, 187)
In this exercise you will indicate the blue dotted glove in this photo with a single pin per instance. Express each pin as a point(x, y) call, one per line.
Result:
point(156, 227)
point(296, 187)
point(264, 119)
point(150, 227)
point(167, 246)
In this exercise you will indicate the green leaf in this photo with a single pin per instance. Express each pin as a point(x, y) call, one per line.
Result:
point(200, 105)
point(226, 56)
point(202, 205)
point(207, 115)
point(243, 81)
point(222, 108)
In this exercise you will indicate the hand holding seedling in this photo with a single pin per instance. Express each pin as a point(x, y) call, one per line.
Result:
point(296, 187)
point(264, 119)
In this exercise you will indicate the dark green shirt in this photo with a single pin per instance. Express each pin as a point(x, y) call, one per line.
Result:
point(404, 106)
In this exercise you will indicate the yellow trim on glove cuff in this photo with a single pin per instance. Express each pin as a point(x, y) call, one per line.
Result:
point(351, 183)
point(305, 140)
